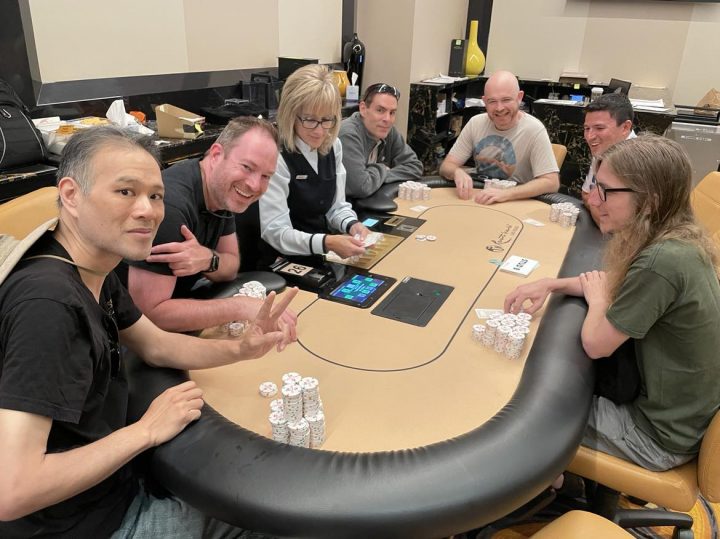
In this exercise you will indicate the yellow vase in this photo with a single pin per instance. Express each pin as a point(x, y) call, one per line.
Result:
point(341, 80)
point(475, 59)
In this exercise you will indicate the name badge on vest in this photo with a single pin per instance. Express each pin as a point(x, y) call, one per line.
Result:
point(301, 177)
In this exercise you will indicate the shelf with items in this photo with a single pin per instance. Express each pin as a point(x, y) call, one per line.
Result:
point(437, 115)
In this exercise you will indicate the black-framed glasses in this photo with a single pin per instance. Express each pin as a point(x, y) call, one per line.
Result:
point(381, 88)
point(603, 191)
point(312, 123)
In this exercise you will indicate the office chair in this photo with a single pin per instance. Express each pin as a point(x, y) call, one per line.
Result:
point(574, 524)
point(21, 215)
point(560, 152)
point(705, 202)
point(676, 489)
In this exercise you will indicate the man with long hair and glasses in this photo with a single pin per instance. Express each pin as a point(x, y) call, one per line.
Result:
point(65, 444)
point(374, 152)
point(660, 288)
point(505, 143)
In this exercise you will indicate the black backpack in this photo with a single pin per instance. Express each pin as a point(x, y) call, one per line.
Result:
point(20, 141)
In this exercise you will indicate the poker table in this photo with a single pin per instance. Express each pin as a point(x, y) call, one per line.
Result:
point(428, 433)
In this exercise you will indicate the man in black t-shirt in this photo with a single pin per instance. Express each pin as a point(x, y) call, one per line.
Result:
point(65, 443)
point(197, 237)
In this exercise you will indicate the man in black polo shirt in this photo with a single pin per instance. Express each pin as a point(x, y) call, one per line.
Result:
point(197, 237)
point(65, 445)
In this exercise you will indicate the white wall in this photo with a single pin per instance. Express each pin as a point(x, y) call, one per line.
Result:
point(408, 40)
point(668, 49)
point(87, 39)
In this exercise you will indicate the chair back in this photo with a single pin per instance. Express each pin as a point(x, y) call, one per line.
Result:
point(705, 201)
point(560, 152)
point(24, 214)
point(709, 462)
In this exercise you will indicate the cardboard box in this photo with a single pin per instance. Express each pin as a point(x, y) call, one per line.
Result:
point(174, 122)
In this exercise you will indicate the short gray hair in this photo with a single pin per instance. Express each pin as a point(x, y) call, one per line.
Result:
point(76, 160)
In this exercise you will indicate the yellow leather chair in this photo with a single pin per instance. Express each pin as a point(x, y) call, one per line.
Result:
point(705, 201)
point(23, 214)
point(581, 525)
point(675, 490)
point(560, 152)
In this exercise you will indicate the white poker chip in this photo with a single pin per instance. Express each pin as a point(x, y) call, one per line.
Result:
point(268, 389)
point(421, 237)
point(431, 238)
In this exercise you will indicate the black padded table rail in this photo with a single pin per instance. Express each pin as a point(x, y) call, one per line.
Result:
point(433, 491)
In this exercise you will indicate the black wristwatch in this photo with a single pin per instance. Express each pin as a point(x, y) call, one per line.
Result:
point(214, 262)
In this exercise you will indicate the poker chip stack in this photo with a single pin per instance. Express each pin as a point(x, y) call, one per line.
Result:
point(297, 418)
point(505, 333)
point(411, 190)
point(235, 329)
point(252, 289)
point(299, 433)
point(280, 431)
point(565, 213)
point(292, 402)
point(495, 183)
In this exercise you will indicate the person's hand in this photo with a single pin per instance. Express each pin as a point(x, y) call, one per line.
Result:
point(594, 285)
point(463, 184)
point(492, 196)
point(184, 258)
point(271, 327)
point(344, 246)
point(171, 411)
point(359, 230)
point(536, 293)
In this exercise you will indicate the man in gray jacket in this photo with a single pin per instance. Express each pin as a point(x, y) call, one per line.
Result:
point(374, 152)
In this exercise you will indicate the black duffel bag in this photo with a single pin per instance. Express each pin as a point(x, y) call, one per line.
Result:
point(20, 141)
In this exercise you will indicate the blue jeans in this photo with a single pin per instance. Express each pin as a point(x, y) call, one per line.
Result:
point(149, 517)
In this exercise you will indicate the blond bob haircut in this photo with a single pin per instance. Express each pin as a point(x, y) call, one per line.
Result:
point(310, 90)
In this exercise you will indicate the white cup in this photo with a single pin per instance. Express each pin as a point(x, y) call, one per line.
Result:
point(596, 92)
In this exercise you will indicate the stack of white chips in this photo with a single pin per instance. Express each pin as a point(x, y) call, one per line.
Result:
point(297, 418)
point(505, 333)
point(251, 289)
point(495, 183)
point(565, 213)
point(411, 190)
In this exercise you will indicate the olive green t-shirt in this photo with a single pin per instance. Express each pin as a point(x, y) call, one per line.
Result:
point(670, 303)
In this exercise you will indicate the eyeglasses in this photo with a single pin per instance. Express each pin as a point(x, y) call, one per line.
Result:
point(311, 123)
point(603, 191)
point(380, 88)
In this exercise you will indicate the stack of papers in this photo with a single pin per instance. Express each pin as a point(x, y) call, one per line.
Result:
point(444, 79)
point(653, 105)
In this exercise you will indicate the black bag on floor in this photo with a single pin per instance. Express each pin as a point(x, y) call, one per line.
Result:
point(20, 141)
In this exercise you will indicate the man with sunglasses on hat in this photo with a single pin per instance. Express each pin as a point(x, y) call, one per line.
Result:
point(505, 143)
point(65, 442)
point(374, 152)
